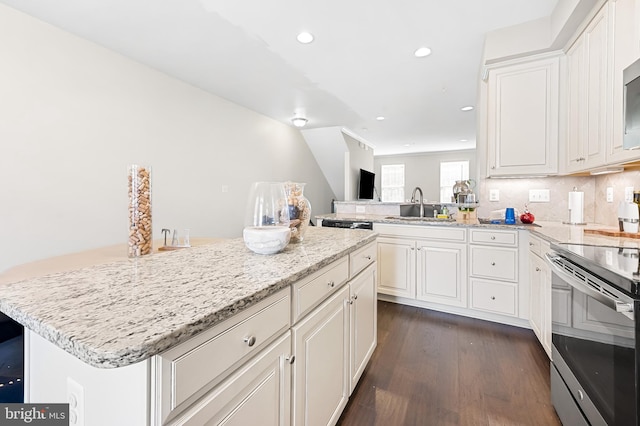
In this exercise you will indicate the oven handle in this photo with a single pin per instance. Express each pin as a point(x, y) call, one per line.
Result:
point(623, 308)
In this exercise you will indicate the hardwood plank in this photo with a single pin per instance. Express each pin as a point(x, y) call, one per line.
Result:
point(432, 368)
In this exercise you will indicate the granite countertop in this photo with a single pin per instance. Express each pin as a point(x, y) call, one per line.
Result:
point(554, 232)
point(119, 313)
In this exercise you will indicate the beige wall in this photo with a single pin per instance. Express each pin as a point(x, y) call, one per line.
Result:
point(423, 170)
point(73, 115)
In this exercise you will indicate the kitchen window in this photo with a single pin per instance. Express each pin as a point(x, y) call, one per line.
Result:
point(450, 172)
point(392, 178)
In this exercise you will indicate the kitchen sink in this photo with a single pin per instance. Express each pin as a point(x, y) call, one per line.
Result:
point(419, 219)
point(413, 210)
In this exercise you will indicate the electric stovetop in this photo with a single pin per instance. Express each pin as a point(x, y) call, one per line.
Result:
point(618, 265)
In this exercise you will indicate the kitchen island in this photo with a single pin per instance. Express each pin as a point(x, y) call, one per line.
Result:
point(104, 329)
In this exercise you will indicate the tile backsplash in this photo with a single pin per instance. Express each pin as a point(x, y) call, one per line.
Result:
point(515, 193)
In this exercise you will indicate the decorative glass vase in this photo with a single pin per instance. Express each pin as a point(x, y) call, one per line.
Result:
point(140, 231)
point(267, 228)
point(299, 210)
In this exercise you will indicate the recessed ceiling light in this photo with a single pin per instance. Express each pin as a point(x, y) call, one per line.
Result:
point(422, 52)
point(305, 38)
point(299, 121)
point(379, 118)
point(467, 108)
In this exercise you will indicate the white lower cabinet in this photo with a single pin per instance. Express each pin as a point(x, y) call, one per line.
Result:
point(258, 393)
point(442, 272)
point(293, 358)
point(540, 292)
point(363, 321)
point(430, 266)
point(321, 369)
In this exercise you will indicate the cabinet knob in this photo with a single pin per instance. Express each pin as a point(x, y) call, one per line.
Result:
point(291, 359)
point(493, 167)
point(355, 297)
point(250, 341)
point(493, 237)
point(368, 257)
point(493, 298)
point(493, 263)
point(537, 269)
point(530, 243)
point(331, 284)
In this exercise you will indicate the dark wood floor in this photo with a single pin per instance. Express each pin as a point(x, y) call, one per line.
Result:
point(432, 368)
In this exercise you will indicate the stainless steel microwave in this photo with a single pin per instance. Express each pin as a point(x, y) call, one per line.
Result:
point(631, 78)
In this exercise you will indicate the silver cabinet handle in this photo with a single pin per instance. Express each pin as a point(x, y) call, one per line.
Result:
point(250, 341)
point(493, 263)
point(580, 395)
point(290, 359)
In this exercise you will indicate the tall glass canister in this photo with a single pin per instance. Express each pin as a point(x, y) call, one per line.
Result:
point(140, 231)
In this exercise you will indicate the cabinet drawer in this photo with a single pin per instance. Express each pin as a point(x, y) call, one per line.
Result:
point(494, 237)
point(494, 262)
point(494, 297)
point(193, 367)
point(311, 291)
point(361, 258)
point(435, 232)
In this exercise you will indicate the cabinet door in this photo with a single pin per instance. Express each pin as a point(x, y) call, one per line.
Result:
point(363, 322)
point(442, 273)
point(522, 127)
point(321, 368)
point(589, 96)
point(396, 267)
point(258, 393)
point(540, 300)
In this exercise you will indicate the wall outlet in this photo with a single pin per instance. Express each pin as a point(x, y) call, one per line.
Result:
point(360, 209)
point(539, 196)
point(225, 188)
point(628, 194)
point(609, 194)
point(75, 397)
point(494, 195)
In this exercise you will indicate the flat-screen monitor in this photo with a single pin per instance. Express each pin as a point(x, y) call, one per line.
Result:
point(365, 185)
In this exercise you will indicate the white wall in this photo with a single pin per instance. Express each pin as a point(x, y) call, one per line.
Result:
point(73, 115)
point(423, 170)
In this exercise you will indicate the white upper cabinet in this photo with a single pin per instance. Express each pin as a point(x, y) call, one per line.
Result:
point(522, 118)
point(589, 95)
point(626, 50)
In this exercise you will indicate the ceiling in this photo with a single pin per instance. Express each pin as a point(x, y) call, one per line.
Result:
point(359, 67)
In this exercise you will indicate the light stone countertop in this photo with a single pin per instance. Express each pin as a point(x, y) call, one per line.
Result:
point(121, 312)
point(554, 232)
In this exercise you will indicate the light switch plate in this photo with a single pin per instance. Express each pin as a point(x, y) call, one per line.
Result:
point(609, 194)
point(628, 194)
point(494, 195)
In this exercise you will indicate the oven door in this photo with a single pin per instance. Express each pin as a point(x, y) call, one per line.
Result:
point(595, 339)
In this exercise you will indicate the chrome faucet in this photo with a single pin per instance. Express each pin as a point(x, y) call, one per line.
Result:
point(413, 199)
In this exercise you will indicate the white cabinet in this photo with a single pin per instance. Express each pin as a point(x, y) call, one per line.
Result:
point(258, 393)
point(522, 118)
point(396, 266)
point(589, 95)
point(626, 50)
point(430, 266)
point(363, 320)
point(494, 271)
point(321, 370)
point(442, 272)
point(540, 292)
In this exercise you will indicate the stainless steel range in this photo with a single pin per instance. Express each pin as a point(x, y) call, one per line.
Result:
point(595, 327)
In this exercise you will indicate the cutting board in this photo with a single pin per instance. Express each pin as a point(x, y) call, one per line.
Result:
point(612, 233)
